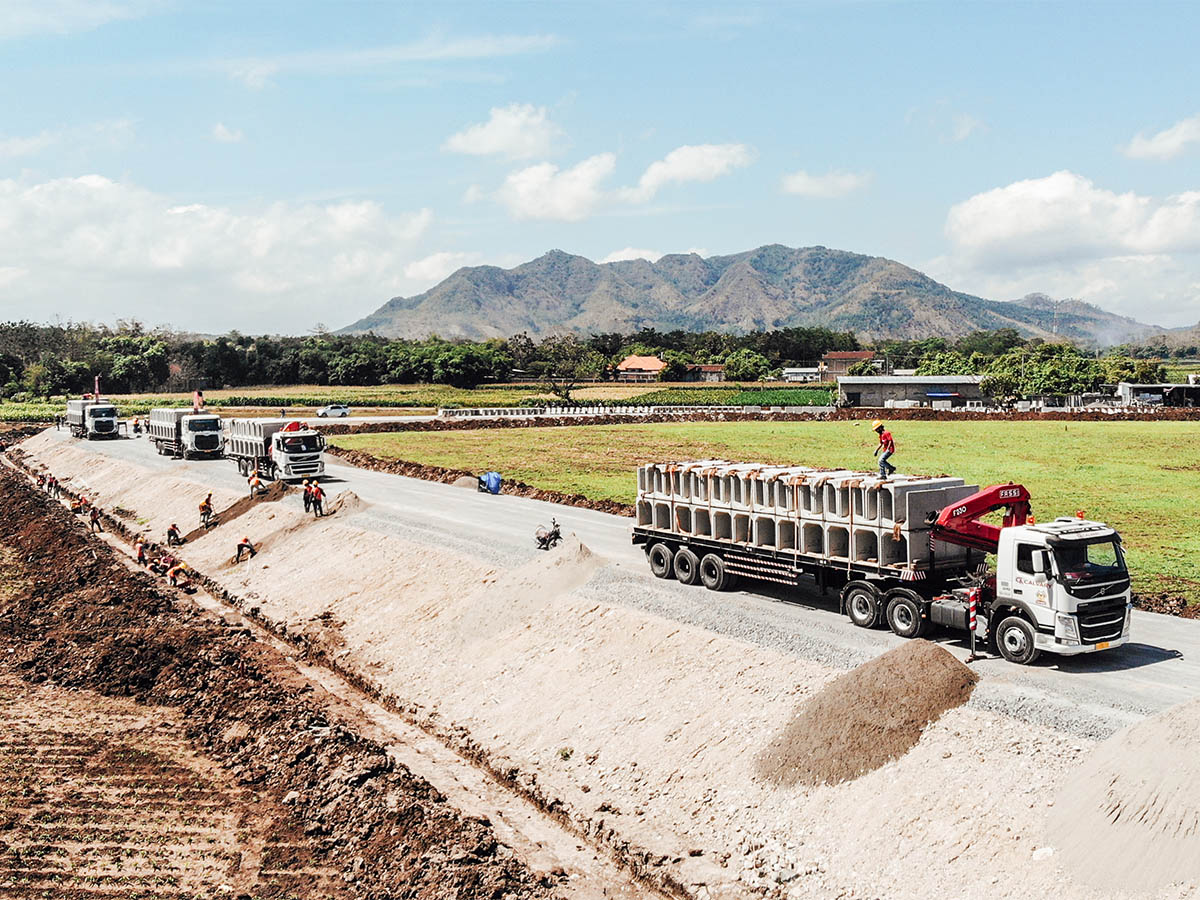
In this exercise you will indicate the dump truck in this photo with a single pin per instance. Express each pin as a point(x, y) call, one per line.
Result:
point(185, 432)
point(282, 449)
point(91, 418)
point(907, 551)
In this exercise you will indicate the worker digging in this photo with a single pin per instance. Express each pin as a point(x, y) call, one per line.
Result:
point(244, 546)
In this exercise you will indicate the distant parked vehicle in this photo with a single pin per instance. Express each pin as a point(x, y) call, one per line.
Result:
point(333, 411)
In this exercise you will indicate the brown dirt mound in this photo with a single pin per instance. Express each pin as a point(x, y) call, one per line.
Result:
point(275, 491)
point(1128, 818)
point(867, 717)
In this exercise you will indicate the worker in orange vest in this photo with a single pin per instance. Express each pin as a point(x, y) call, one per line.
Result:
point(307, 495)
point(94, 520)
point(177, 575)
point(245, 547)
point(206, 510)
point(318, 498)
point(255, 484)
point(140, 549)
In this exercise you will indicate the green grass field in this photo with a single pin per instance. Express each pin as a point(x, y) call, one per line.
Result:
point(1141, 477)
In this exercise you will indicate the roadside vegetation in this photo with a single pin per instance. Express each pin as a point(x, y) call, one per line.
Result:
point(1141, 477)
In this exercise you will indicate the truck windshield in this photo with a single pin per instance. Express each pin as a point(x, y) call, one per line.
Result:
point(101, 412)
point(204, 425)
point(1092, 561)
point(305, 443)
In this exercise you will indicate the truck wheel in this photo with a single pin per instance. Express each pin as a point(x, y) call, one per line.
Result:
point(687, 566)
point(713, 574)
point(1015, 641)
point(861, 600)
point(660, 561)
point(904, 615)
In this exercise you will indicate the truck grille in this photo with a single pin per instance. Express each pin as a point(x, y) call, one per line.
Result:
point(304, 468)
point(1096, 591)
point(1101, 620)
point(102, 425)
point(207, 442)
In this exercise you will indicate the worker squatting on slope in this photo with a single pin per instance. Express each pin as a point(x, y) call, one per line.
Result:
point(887, 445)
point(244, 546)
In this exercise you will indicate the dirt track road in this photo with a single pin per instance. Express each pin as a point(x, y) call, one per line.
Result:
point(1093, 694)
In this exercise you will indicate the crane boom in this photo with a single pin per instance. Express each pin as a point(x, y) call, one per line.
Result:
point(962, 523)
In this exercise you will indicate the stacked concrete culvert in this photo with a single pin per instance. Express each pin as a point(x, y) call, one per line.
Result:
point(827, 513)
point(1128, 818)
point(867, 717)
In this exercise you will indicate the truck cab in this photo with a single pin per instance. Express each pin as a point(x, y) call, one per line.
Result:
point(102, 420)
point(201, 433)
point(298, 454)
point(1068, 578)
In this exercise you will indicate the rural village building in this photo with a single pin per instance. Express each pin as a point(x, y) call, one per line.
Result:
point(640, 368)
point(838, 362)
point(803, 373)
point(945, 391)
point(706, 372)
point(1158, 394)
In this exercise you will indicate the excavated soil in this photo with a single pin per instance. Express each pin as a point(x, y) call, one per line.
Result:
point(79, 619)
point(275, 492)
point(867, 717)
point(1128, 818)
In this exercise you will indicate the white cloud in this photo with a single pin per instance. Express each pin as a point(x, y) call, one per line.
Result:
point(632, 253)
point(110, 133)
point(701, 162)
point(26, 146)
point(517, 131)
point(1168, 143)
point(473, 194)
point(544, 191)
point(832, 184)
point(257, 72)
point(435, 267)
point(963, 126)
point(276, 267)
point(20, 18)
point(226, 135)
point(1066, 236)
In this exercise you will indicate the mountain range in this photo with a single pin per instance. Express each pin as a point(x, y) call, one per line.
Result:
point(770, 287)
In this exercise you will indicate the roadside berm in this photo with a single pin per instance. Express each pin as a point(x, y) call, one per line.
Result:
point(647, 735)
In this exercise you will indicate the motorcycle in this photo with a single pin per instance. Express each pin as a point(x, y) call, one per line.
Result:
point(548, 538)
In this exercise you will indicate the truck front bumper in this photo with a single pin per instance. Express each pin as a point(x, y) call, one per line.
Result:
point(1051, 644)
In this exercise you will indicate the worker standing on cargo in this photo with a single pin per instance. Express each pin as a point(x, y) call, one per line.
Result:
point(887, 446)
point(173, 535)
point(307, 495)
point(318, 498)
point(245, 547)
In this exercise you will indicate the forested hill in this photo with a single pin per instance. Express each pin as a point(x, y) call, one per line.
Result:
point(771, 287)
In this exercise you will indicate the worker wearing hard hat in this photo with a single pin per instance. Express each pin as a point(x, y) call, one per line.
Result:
point(885, 449)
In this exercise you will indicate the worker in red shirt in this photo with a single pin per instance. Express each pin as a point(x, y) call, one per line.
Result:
point(887, 446)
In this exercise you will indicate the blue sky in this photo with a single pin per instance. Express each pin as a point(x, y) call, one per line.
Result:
point(268, 166)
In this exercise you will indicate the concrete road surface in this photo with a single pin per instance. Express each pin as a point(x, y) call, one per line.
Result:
point(1093, 694)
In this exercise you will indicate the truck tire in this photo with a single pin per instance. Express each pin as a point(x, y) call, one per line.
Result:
point(1015, 641)
point(661, 561)
point(904, 614)
point(687, 566)
point(861, 602)
point(713, 574)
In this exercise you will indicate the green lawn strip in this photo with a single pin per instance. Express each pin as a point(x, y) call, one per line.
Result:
point(1141, 477)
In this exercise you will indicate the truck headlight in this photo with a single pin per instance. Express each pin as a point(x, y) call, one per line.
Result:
point(1128, 618)
point(1067, 627)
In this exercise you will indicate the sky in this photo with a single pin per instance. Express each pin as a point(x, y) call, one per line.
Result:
point(276, 167)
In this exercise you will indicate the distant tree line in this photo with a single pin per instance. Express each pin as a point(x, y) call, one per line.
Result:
point(45, 360)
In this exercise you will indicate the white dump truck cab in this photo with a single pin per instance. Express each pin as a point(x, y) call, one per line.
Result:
point(1069, 579)
point(298, 454)
point(201, 433)
point(89, 418)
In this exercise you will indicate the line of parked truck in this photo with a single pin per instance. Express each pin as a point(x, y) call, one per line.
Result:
point(284, 449)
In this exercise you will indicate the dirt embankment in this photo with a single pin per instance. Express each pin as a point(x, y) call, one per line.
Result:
point(86, 621)
point(451, 476)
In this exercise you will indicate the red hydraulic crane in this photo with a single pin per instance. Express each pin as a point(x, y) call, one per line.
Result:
point(962, 523)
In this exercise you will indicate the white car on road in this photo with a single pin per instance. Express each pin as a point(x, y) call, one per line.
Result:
point(333, 411)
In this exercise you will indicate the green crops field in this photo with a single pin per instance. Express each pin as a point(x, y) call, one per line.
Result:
point(1141, 477)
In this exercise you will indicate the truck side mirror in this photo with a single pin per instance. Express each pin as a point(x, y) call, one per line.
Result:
point(1041, 562)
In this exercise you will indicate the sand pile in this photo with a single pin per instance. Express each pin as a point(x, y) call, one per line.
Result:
point(867, 717)
point(1129, 817)
point(347, 502)
point(273, 493)
point(466, 481)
